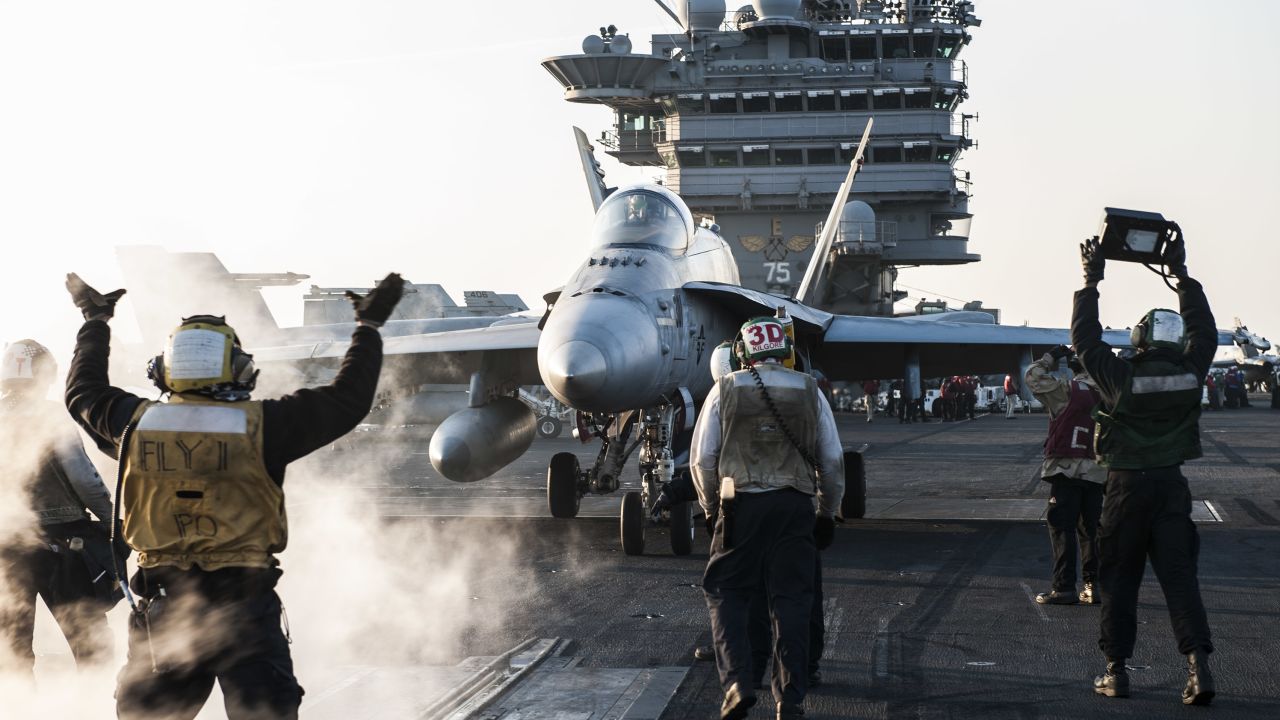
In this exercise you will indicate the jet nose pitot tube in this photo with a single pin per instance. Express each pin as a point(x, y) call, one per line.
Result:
point(602, 352)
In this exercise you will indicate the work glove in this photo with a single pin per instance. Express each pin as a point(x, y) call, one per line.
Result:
point(1175, 257)
point(374, 308)
point(93, 304)
point(710, 523)
point(1060, 352)
point(1092, 260)
point(824, 532)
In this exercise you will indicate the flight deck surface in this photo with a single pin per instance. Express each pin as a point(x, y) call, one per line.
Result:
point(929, 601)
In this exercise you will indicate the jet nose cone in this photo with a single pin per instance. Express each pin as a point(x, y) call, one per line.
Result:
point(576, 370)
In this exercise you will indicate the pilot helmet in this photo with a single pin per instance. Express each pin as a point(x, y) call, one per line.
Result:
point(203, 356)
point(26, 366)
point(761, 338)
point(1159, 328)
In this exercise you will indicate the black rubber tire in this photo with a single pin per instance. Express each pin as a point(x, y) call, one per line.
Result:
point(631, 523)
point(935, 408)
point(854, 504)
point(682, 528)
point(549, 427)
point(562, 485)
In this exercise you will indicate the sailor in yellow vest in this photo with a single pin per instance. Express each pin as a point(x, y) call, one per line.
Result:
point(49, 547)
point(201, 497)
point(764, 446)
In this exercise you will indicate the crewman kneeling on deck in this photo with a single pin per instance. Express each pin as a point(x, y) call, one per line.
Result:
point(764, 445)
point(201, 496)
point(1075, 502)
point(1148, 425)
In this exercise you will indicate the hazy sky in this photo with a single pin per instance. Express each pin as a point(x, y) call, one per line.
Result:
point(345, 140)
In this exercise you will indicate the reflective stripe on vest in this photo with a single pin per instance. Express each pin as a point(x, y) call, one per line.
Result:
point(196, 490)
point(754, 450)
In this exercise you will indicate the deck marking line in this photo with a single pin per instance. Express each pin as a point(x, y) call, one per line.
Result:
point(1039, 608)
point(881, 651)
point(346, 682)
point(1213, 510)
point(834, 619)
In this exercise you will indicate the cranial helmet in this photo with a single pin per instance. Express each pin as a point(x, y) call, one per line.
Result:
point(722, 361)
point(203, 356)
point(761, 338)
point(26, 365)
point(1159, 328)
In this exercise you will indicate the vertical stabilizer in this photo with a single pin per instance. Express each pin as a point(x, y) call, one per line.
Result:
point(815, 277)
point(591, 169)
point(168, 286)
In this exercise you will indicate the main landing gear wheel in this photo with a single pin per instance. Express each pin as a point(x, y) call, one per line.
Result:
point(681, 528)
point(562, 485)
point(632, 522)
point(854, 504)
point(549, 427)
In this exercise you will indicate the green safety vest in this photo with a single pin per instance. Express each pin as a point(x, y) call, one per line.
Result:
point(1155, 421)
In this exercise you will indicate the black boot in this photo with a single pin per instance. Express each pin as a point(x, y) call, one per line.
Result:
point(1199, 689)
point(737, 703)
point(1115, 682)
point(790, 711)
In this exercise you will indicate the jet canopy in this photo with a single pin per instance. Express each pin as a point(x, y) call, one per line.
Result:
point(653, 217)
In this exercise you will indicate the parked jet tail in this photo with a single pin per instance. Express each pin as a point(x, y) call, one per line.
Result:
point(168, 286)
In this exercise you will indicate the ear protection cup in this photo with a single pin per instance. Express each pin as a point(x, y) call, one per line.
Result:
point(1139, 337)
point(155, 372)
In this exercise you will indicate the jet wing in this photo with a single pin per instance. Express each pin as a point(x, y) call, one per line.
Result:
point(507, 353)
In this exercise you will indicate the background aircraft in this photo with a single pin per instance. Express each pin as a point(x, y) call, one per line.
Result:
point(1251, 357)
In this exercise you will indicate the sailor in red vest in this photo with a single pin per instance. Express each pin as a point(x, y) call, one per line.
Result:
point(1011, 397)
point(1075, 502)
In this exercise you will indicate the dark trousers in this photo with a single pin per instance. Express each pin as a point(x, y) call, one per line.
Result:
point(762, 628)
point(224, 628)
point(1147, 514)
point(1074, 507)
point(771, 545)
point(62, 580)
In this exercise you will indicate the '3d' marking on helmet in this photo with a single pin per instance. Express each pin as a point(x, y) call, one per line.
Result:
point(764, 337)
point(203, 355)
point(1160, 327)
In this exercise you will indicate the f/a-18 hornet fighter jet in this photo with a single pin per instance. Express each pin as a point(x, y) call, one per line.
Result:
point(625, 342)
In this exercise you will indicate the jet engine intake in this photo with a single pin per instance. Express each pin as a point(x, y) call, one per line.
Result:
point(474, 443)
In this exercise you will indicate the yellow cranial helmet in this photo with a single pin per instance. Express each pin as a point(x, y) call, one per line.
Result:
point(203, 355)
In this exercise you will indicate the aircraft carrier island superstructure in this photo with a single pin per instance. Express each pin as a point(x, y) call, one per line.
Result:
point(755, 115)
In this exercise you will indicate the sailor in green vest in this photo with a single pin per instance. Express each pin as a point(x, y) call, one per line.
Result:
point(1148, 425)
point(49, 546)
point(201, 498)
point(764, 449)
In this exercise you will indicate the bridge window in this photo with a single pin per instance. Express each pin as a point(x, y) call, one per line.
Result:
point(948, 45)
point(922, 45)
point(833, 49)
point(822, 156)
point(788, 156)
point(755, 155)
point(724, 103)
point(918, 98)
point(945, 99)
point(886, 154)
point(853, 100)
point(918, 151)
point(846, 153)
point(896, 46)
point(788, 102)
point(691, 156)
point(945, 153)
point(822, 100)
point(724, 158)
point(691, 104)
point(862, 47)
point(755, 102)
point(886, 99)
